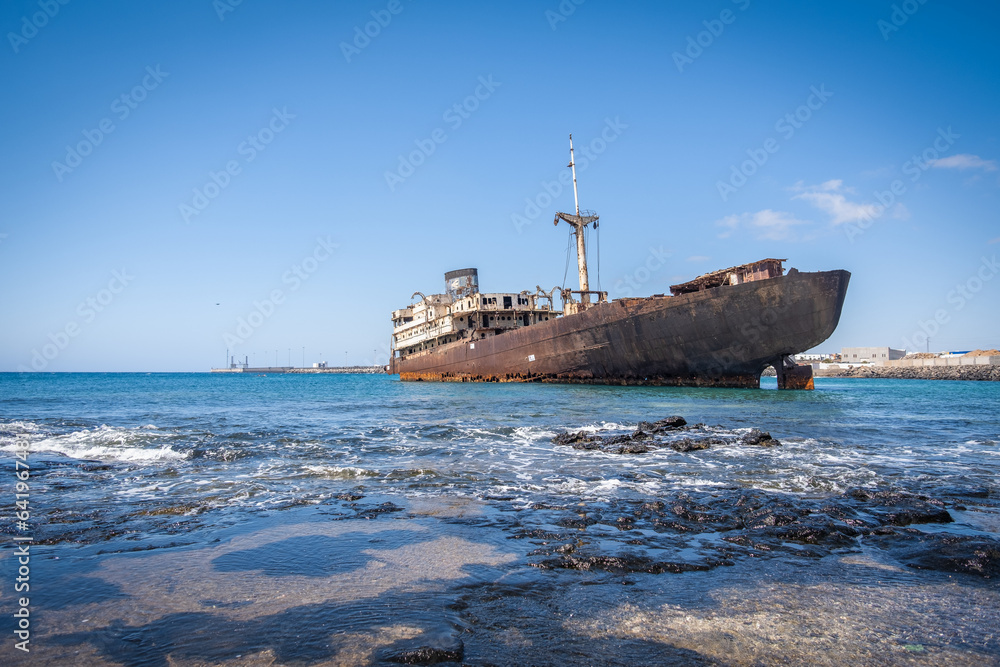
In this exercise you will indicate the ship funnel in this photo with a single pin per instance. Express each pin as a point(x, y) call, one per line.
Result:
point(462, 282)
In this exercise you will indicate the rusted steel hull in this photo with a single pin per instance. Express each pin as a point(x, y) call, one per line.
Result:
point(797, 377)
point(722, 337)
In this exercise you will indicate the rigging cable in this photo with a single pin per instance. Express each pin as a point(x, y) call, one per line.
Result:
point(597, 229)
point(569, 244)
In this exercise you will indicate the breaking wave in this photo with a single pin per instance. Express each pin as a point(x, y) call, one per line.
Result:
point(103, 443)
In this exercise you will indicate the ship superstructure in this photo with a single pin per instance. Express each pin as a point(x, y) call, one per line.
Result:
point(463, 313)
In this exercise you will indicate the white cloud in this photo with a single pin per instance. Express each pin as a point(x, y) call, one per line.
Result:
point(730, 222)
point(767, 224)
point(964, 161)
point(829, 198)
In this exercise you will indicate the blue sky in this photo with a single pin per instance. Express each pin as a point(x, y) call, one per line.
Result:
point(170, 169)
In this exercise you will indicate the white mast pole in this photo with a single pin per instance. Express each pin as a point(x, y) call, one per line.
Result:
point(572, 164)
point(581, 249)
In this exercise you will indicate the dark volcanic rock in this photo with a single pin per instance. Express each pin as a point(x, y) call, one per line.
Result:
point(964, 491)
point(662, 425)
point(637, 443)
point(759, 438)
point(946, 552)
point(578, 440)
point(897, 508)
point(429, 655)
point(907, 517)
point(817, 530)
point(882, 496)
point(631, 448)
point(640, 441)
point(576, 521)
point(694, 444)
point(624, 523)
point(653, 435)
point(757, 523)
point(374, 512)
point(624, 563)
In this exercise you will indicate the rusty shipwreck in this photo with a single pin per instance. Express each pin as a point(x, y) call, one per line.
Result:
point(721, 329)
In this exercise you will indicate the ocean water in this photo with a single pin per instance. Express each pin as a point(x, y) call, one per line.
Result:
point(356, 519)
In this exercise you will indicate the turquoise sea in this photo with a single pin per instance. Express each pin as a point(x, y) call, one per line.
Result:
point(182, 519)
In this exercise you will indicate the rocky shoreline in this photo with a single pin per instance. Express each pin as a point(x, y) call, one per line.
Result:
point(754, 523)
point(980, 373)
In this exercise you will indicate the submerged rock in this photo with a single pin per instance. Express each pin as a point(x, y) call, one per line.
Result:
point(757, 523)
point(759, 438)
point(897, 508)
point(374, 512)
point(429, 655)
point(578, 438)
point(946, 552)
point(911, 516)
point(817, 530)
point(624, 563)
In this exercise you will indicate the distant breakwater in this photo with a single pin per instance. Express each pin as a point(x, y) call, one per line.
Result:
point(357, 370)
point(980, 372)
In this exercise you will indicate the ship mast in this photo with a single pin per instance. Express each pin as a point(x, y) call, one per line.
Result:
point(579, 223)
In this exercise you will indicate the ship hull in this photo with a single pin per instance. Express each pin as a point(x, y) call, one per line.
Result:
point(721, 337)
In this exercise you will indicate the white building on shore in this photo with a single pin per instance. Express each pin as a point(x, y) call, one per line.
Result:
point(860, 355)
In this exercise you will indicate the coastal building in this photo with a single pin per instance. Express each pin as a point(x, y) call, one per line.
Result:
point(857, 355)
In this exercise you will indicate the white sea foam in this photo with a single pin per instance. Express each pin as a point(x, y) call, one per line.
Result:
point(340, 472)
point(109, 443)
point(19, 427)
